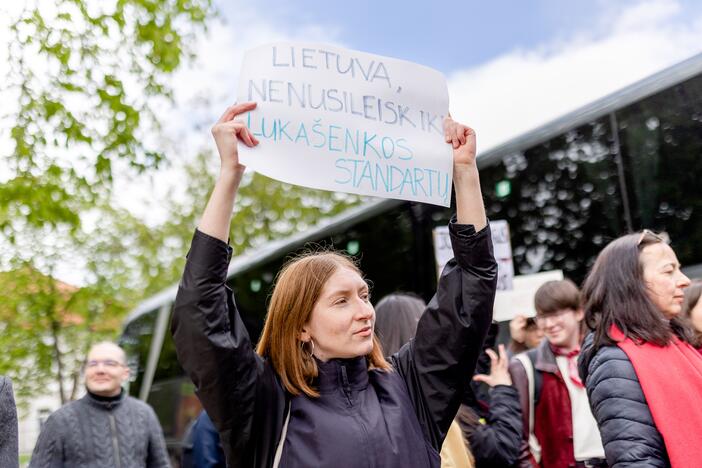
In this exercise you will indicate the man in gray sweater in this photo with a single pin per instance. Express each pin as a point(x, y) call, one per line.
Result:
point(8, 425)
point(106, 428)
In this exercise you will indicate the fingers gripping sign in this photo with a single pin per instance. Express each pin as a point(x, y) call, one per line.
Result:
point(462, 139)
point(228, 131)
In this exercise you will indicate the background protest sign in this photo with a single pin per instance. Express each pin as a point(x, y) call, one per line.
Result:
point(338, 119)
point(502, 248)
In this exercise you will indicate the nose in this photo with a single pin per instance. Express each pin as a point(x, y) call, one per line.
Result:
point(683, 280)
point(365, 311)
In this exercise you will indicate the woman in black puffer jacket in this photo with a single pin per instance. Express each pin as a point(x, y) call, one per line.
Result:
point(641, 372)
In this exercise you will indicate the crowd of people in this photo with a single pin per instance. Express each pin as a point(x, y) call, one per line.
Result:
point(606, 376)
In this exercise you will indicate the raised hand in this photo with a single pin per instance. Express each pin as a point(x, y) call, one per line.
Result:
point(227, 132)
point(517, 328)
point(462, 138)
point(499, 369)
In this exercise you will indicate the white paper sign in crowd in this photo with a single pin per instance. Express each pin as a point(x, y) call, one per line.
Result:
point(502, 248)
point(338, 119)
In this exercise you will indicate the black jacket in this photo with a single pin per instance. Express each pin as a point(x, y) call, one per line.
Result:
point(491, 418)
point(243, 395)
point(629, 435)
point(496, 442)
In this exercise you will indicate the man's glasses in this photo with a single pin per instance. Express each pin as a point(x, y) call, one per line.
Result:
point(109, 363)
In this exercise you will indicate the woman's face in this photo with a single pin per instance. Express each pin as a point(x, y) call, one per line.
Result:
point(342, 321)
point(664, 280)
point(696, 316)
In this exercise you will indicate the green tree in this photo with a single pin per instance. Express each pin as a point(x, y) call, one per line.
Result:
point(46, 327)
point(83, 82)
point(85, 78)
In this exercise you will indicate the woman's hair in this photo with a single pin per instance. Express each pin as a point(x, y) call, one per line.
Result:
point(692, 296)
point(615, 293)
point(297, 289)
point(396, 317)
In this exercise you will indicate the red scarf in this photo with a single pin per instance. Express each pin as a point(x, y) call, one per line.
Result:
point(572, 364)
point(671, 380)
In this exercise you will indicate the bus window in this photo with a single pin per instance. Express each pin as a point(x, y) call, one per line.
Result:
point(561, 198)
point(136, 342)
point(662, 149)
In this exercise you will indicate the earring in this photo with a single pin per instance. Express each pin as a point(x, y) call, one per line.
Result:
point(310, 352)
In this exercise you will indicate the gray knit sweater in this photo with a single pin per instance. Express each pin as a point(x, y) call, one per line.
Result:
point(8, 426)
point(89, 433)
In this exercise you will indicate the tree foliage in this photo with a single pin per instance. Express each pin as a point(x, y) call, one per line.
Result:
point(86, 77)
point(84, 80)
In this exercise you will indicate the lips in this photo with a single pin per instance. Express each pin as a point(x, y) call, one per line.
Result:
point(365, 331)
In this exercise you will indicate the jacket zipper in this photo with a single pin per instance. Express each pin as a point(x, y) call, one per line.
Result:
point(346, 387)
point(347, 391)
point(115, 443)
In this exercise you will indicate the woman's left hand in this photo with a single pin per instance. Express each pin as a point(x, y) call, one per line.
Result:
point(462, 138)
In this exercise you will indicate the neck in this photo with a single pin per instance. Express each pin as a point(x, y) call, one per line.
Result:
point(573, 344)
point(103, 397)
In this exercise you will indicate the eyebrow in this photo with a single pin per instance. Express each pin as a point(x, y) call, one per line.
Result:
point(342, 290)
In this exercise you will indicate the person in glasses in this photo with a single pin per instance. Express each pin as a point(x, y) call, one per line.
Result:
point(558, 427)
point(105, 428)
point(643, 377)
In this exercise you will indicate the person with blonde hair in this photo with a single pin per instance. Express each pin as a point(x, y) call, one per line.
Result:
point(317, 389)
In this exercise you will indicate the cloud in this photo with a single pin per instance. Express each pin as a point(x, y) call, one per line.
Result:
point(203, 90)
point(521, 90)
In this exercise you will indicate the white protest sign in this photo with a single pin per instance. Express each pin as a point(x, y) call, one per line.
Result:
point(520, 300)
point(343, 120)
point(499, 230)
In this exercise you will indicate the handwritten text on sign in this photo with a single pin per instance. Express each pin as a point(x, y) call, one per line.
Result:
point(338, 119)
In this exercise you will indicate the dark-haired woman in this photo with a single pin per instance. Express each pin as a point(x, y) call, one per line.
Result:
point(643, 377)
point(317, 391)
point(692, 310)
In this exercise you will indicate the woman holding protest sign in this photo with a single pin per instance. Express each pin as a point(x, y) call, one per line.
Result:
point(317, 390)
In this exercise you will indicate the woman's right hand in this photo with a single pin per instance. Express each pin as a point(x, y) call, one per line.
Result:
point(228, 131)
point(517, 328)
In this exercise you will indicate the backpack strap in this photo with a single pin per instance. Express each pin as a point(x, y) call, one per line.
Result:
point(534, 380)
point(281, 441)
point(538, 376)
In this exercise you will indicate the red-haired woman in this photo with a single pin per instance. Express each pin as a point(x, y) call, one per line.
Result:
point(317, 390)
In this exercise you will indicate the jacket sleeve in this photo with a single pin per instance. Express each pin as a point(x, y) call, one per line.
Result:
point(629, 435)
point(8, 425)
point(214, 348)
point(521, 384)
point(157, 456)
point(498, 441)
point(207, 451)
point(450, 333)
point(48, 451)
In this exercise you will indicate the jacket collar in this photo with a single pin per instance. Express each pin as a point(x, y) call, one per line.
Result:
point(545, 359)
point(105, 404)
point(340, 373)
